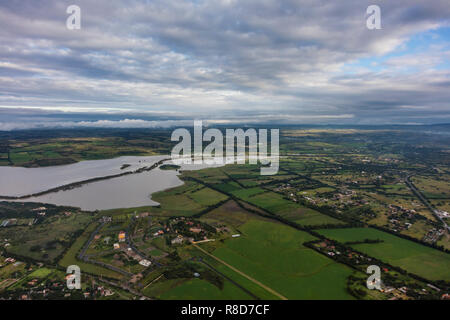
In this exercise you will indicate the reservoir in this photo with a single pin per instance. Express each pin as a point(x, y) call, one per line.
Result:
point(132, 190)
point(18, 181)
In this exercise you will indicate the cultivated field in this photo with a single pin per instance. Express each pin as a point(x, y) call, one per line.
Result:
point(274, 255)
point(426, 262)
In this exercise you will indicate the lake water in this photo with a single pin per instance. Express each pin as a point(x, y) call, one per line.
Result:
point(17, 181)
point(133, 190)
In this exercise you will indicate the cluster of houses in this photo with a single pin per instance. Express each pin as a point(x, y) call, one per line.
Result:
point(135, 256)
point(41, 211)
point(121, 238)
point(39, 289)
point(343, 197)
point(187, 229)
point(330, 249)
point(405, 293)
point(433, 235)
point(128, 250)
point(10, 260)
point(401, 218)
point(442, 214)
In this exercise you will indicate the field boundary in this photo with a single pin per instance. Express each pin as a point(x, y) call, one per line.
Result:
point(242, 273)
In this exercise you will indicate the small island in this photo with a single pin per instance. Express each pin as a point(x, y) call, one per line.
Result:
point(169, 167)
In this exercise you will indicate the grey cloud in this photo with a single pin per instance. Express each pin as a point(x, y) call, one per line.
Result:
point(217, 57)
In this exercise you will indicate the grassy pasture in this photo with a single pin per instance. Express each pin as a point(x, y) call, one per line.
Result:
point(246, 194)
point(9, 270)
point(228, 187)
point(410, 256)
point(44, 241)
point(207, 197)
point(53, 151)
point(309, 217)
point(229, 214)
point(268, 200)
point(433, 187)
point(197, 289)
point(186, 200)
point(259, 292)
point(274, 255)
point(275, 203)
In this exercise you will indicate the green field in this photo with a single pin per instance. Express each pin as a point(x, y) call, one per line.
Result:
point(186, 200)
point(70, 258)
point(275, 203)
point(309, 217)
point(207, 196)
point(37, 152)
point(47, 240)
point(41, 273)
point(270, 201)
point(254, 288)
point(355, 175)
point(424, 261)
point(197, 289)
point(230, 214)
point(274, 255)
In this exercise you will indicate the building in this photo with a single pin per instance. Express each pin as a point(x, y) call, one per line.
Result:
point(158, 233)
point(108, 293)
point(122, 236)
point(195, 230)
point(106, 219)
point(145, 263)
point(39, 209)
point(177, 240)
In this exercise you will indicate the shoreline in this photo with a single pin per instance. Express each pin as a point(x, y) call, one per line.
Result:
point(84, 182)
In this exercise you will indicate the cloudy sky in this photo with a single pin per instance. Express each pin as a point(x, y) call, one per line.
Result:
point(142, 63)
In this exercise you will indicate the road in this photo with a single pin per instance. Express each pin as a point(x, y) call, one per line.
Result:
point(242, 273)
point(132, 246)
point(82, 255)
point(424, 200)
